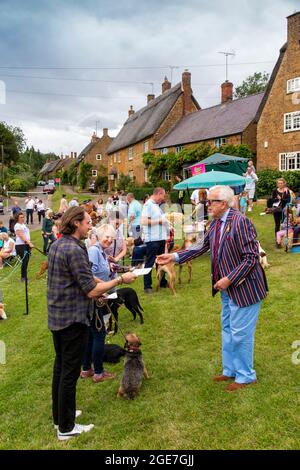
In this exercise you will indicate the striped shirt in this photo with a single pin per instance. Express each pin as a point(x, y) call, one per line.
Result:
point(70, 279)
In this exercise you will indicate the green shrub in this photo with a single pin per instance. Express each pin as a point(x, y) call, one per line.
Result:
point(101, 183)
point(17, 184)
point(267, 181)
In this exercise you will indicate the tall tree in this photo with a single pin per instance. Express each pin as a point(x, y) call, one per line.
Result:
point(10, 145)
point(253, 84)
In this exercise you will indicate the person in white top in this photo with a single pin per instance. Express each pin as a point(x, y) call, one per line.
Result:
point(156, 232)
point(23, 243)
point(40, 207)
point(29, 206)
point(63, 205)
point(8, 248)
point(74, 202)
point(251, 179)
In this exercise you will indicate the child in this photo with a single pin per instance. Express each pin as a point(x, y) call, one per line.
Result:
point(286, 226)
point(243, 202)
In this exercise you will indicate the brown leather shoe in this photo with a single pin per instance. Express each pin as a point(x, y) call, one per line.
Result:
point(235, 386)
point(222, 378)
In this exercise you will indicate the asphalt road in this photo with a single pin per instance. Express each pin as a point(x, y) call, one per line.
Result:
point(21, 200)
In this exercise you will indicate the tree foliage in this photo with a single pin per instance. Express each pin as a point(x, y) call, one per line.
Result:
point(84, 174)
point(173, 163)
point(253, 84)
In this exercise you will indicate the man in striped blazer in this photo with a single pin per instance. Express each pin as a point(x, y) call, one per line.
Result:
point(237, 274)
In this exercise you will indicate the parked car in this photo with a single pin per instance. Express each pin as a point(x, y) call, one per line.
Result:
point(41, 183)
point(49, 189)
point(1, 205)
point(51, 182)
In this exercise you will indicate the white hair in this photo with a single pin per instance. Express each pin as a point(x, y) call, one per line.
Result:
point(105, 230)
point(225, 193)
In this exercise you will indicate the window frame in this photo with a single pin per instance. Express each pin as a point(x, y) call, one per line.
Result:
point(94, 173)
point(292, 117)
point(130, 153)
point(292, 85)
point(98, 155)
point(285, 161)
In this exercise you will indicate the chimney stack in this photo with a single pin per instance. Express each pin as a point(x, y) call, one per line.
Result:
point(130, 111)
point(293, 32)
point(226, 91)
point(75, 154)
point(187, 92)
point(105, 132)
point(94, 137)
point(71, 154)
point(166, 85)
point(150, 98)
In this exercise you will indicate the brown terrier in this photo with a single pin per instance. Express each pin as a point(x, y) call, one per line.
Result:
point(130, 245)
point(170, 270)
point(43, 269)
point(2, 312)
point(134, 368)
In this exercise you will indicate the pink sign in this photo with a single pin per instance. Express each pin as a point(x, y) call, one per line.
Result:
point(198, 168)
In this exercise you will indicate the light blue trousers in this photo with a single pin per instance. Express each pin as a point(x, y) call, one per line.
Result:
point(238, 330)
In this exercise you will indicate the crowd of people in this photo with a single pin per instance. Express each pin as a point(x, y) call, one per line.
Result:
point(86, 243)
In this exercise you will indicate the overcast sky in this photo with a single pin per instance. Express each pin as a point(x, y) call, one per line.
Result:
point(92, 59)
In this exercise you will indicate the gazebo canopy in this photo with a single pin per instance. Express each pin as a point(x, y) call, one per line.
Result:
point(209, 179)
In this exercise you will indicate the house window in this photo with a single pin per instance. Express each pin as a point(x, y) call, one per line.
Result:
point(95, 173)
point(119, 157)
point(98, 156)
point(292, 121)
point(178, 148)
point(115, 158)
point(164, 151)
point(293, 85)
point(220, 141)
point(289, 161)
point(146, 175)
point(146, 146)
point(111, 160)
point(166, 175)
point(131, 174)
point(130, 153)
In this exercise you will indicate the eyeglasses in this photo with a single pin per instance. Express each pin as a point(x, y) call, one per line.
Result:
point(210, 201)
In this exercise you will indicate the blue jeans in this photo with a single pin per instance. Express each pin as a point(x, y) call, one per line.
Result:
point(238, 330)
point(94, 352)
point(152, 250)
point(46, 239)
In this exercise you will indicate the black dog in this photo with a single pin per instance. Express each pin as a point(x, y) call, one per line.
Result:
point(128, 297)
point(113, 353)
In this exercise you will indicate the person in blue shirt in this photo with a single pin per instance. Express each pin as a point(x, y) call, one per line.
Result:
point(134, 216)
point(2, 228)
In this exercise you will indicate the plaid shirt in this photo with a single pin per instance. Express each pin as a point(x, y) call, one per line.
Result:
point(70, 279)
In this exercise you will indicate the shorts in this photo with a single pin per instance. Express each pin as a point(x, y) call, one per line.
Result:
point(250, 193)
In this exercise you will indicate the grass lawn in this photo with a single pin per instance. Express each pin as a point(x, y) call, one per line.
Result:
point(179, 407)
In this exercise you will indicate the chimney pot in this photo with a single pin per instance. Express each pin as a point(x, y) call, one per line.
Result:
point(166, 85)
point(130, 111)
point(150, 98)
point(226, 91)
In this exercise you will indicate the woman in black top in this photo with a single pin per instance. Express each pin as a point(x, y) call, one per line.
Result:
point(280, 198)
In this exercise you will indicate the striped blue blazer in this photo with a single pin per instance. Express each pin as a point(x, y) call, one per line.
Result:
point(238, 259)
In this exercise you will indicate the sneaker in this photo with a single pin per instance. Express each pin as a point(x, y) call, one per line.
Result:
point(84, 374)
point(148, 291)
point(104, 376)
point(76, 431)
point(77, 414)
